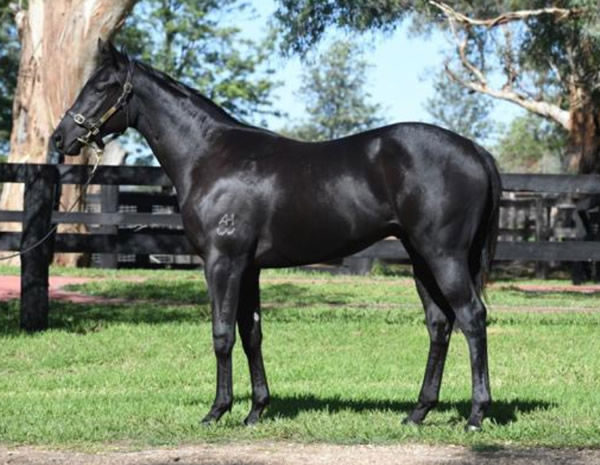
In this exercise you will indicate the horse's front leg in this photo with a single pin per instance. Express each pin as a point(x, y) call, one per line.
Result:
point(223, 276)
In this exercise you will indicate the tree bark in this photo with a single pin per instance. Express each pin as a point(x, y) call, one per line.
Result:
point(583, 155)
point(58, 53)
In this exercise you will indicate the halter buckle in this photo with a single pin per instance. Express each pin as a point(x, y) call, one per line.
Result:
point(79, 118)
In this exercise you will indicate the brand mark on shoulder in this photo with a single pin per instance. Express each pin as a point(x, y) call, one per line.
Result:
point(226, 226)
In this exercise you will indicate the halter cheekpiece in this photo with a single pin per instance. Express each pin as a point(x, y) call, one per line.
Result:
point(93, 127)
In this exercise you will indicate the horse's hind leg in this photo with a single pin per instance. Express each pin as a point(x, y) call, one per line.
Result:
point(249, 325)
point(452, 276)
point(439, 325)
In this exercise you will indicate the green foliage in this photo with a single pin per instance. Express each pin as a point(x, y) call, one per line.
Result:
point(303, 22)
point(344, 355)
point(186, 39)
point(531, 145)
point(333, 88)
point(459, 110)
point(571, 45)
point(9, 64)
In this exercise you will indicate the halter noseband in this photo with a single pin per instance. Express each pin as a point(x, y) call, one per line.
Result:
point(93, 127)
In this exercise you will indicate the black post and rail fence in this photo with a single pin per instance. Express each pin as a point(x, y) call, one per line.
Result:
point(146, 232)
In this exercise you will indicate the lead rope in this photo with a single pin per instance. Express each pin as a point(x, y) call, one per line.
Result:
point(98, 152)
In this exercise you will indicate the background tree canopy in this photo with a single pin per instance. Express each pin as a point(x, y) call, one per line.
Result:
point(333, 89)
point(531, 144)
point(544, 59)
point(464, 112)
point(186, 39)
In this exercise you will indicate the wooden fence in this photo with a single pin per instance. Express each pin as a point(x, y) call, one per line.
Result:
point(115, 232)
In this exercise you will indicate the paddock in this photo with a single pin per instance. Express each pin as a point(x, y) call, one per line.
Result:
point(345, 354)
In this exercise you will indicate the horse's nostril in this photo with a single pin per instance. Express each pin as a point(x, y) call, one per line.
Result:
point(58, 140)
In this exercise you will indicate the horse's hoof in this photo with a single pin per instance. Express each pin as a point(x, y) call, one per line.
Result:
point(208, 421)
point(251, 420)
point(408, 421)
point(253, 417)
point(472, 428)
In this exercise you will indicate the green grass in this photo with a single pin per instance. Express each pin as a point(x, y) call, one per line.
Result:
point(344, 357)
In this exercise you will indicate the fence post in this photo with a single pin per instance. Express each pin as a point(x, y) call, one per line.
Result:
point(143, 261)
point(38, 204)
point(109, 201)
point(541, 268)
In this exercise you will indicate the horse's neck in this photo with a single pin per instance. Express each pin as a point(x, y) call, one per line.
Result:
point(178, 131)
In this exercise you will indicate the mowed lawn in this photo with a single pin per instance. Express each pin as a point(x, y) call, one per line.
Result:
point(344, 356)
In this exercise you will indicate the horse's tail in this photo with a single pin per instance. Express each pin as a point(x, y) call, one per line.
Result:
point(484, 245)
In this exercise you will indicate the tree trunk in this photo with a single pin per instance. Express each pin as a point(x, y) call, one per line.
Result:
point(583, 152)
point(58, 52)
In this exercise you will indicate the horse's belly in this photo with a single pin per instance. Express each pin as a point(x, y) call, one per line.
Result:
point(316, 238)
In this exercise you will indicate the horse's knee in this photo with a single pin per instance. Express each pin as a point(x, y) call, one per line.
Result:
point(223, 341)
point(439, 328)
point(472, 318)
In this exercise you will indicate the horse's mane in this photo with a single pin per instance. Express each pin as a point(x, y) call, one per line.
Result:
point(189, 92)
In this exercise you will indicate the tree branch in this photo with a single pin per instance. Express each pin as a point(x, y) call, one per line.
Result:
point(545, 109)
point(478, 82)
point(520, 15)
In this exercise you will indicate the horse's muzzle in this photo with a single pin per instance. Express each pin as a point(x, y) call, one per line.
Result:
point(62, 146)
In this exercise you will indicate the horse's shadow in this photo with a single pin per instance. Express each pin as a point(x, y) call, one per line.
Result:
point(501, 412)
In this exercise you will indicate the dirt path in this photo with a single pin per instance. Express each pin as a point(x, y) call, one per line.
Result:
point(303, 454)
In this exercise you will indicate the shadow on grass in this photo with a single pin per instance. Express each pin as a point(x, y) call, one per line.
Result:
point(88, 317)
point(191, 292)
point(293, 295)
point(188, 292)
point(155, 303)
point(501, 412)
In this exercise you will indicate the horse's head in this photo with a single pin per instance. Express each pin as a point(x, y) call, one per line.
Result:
point(101, 107)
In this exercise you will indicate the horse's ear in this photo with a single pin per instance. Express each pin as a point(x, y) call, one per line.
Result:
point(108, 53)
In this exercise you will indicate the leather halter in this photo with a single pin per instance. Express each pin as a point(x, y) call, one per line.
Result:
point(93, 127)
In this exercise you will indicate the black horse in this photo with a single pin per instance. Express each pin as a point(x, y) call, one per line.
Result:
point(253, 199)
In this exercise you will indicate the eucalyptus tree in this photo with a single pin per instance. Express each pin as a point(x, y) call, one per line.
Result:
point(55, 58)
